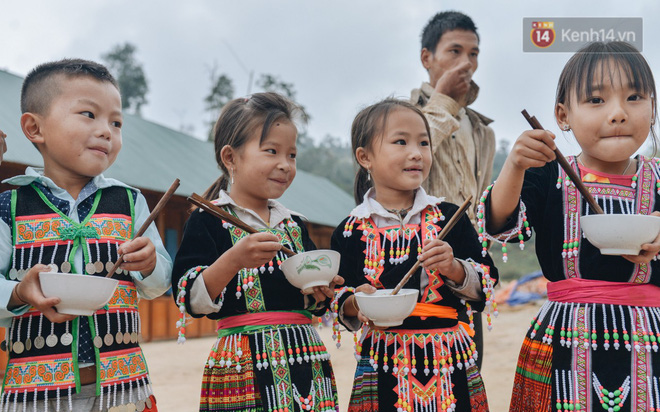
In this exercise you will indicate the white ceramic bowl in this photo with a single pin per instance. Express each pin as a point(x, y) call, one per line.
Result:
point(80, 295)
point(620, 234)
point(386, 310)
point(314, 268)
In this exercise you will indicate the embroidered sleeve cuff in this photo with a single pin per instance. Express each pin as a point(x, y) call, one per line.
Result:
point(470, 289)
point(515, 229)
point(200, 300)
point(183, 298)
point(352, 323)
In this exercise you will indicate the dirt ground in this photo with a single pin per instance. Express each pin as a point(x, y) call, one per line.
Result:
point(176, 370)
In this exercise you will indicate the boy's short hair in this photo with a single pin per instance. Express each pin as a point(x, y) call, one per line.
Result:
point(40, 86)
point(443, 22)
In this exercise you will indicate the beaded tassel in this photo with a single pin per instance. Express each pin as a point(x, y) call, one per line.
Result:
point(615, 332)
point(549, 330)
point(562, 331)
point(626, 337)
point(181, 299)
point(334, 307)
point(426, 359)
point(536, 322)
point(655, 337)
point(386, 367)
point(488, 288)
point(502, 238)
point(606, 334)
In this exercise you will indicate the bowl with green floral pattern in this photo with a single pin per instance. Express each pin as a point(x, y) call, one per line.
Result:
point(309, 269)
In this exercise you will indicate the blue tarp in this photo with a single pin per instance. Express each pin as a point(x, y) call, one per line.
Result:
point(519, 297)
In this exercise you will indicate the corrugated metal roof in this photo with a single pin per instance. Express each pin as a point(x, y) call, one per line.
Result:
point(154, 155)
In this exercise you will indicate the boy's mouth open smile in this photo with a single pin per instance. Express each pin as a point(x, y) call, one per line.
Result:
point(100, 150)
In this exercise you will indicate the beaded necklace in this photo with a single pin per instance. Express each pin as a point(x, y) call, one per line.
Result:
point(612, 400)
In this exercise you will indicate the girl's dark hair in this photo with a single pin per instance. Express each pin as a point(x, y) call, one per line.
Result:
point(370, 123)
point(239, 119)
point(614, 59)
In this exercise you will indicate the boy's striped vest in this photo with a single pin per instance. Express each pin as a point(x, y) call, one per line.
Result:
point(43, 357)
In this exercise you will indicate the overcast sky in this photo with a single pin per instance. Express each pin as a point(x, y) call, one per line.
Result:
point(340, 55)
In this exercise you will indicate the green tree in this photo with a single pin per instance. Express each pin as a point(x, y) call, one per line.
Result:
point(331, 158)
point(222, 92)
point(129, 74)
point(270, 83)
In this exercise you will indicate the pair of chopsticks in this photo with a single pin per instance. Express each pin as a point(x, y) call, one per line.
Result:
point(159, 206)
point(567, 167)
point(214, 210)
point(443, 233)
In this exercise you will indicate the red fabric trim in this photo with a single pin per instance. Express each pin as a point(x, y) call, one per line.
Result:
point(264, 318)
point(599, 291)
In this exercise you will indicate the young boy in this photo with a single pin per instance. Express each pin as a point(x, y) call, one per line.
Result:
point(69, 218)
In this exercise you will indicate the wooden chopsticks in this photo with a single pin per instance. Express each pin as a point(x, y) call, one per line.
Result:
point(159, 206)
point(567, 167)
point(443, 232)
point(214, 210)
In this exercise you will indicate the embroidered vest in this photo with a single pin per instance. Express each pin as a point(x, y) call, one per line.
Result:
point(43, 356)
point(400, 239)
point(249, 282)
point(640, 200)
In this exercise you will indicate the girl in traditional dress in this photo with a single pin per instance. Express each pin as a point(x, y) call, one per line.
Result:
point(593, 344)
point(427, 363)
point(267, 356)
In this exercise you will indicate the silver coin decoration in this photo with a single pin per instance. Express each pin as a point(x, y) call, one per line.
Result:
point(134, 337)
point(98, 266)
point(65, 267)
point(127, 337)
point(18, 347)
point(39, 342)
point(140, 405)
point(51, 340)
point(66, 339)
point(119, 338)
point(90, 268)
point(147, 402)
point(13, 274)
point(52, 268)
point(28, 344)
point(98, 341)
point(130, 407)
point(109, 265)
